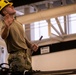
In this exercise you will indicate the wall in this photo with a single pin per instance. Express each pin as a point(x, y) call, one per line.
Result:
point(59, 60)
point(55, 61)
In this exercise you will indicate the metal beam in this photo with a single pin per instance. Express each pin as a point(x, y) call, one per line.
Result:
point(49, 27)
point(56, 30)
point(59, 25)
point(64, 2)
point(65, 30)
point(57, 37)
point(47, 14)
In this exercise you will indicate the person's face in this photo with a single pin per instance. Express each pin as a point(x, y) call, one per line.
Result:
point(10, 10)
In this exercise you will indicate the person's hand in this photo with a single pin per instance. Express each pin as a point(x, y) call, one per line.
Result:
point(8, 19)
point(34, 47)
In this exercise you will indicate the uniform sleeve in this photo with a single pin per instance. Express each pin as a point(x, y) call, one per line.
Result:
point(2, 30)
point(29, 44)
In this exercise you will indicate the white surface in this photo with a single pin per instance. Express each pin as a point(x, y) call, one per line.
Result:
point(55, 61)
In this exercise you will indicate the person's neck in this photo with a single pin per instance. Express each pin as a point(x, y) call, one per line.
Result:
point(13, 16)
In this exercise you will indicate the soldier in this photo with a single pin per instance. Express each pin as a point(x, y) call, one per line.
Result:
point(18, 46)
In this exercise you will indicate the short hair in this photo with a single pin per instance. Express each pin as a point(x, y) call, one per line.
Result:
point(1, 12)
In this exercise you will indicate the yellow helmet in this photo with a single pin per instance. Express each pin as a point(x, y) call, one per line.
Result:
point(4, 3)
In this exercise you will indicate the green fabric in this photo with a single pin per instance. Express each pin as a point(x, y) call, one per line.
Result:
point(18, 44)
point(19, 61)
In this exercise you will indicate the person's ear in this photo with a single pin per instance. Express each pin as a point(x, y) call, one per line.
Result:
point(5, 12)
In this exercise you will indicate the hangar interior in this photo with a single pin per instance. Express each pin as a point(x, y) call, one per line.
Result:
point(55, 21)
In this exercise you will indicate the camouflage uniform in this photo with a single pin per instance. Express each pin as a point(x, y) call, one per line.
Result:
point(18, 47)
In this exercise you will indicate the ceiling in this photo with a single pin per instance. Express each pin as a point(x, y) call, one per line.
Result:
point(22, 6)
point(36, 7)
point(23, 2)
point(27, 2)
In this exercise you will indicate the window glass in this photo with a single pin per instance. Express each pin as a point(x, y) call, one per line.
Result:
point(72, 23)
point(39, 29)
